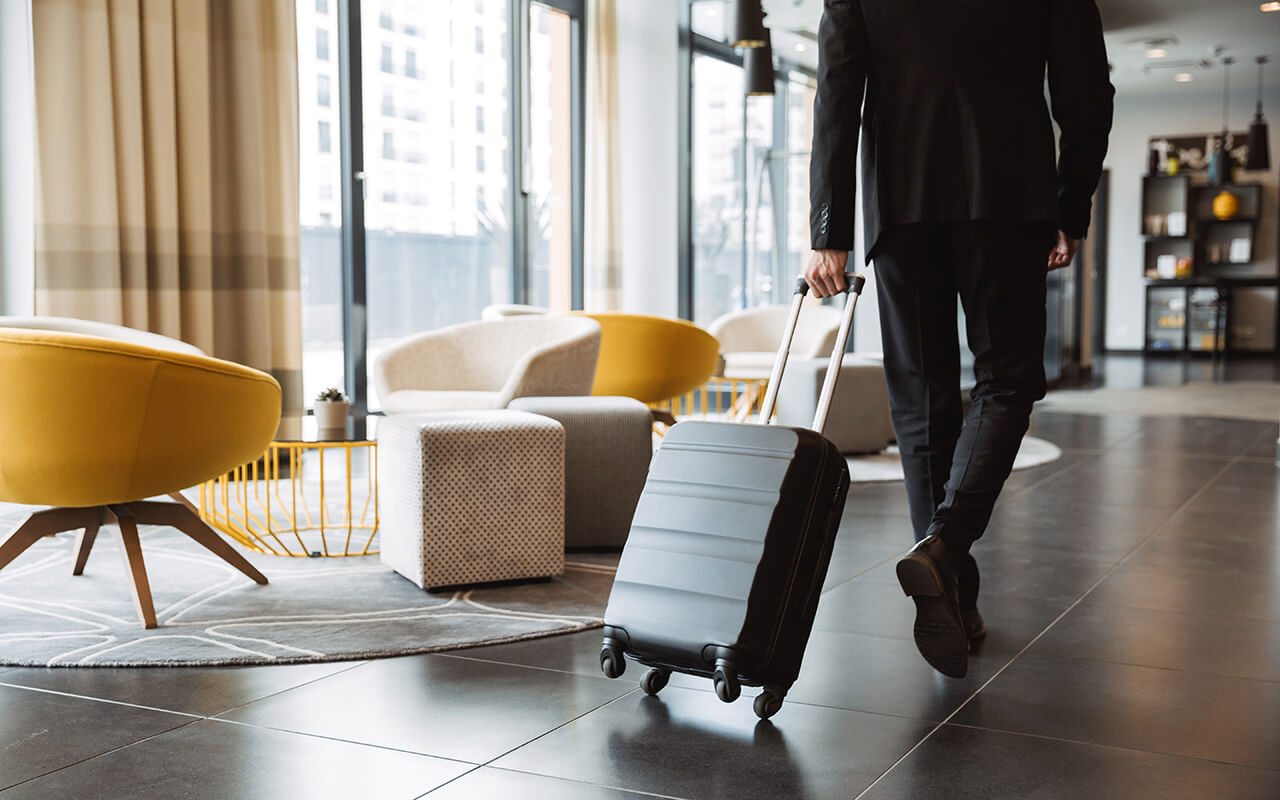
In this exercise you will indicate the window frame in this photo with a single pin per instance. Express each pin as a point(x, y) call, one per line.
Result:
point(354, 265)
point(693, 45)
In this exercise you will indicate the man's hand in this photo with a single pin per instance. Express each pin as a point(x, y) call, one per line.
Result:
point(826, 272)
point(1064, 252)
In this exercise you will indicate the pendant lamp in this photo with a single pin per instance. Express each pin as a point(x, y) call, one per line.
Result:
point(1259, 146)
point(1219, 159)
point(748, 24)
point(758, 64)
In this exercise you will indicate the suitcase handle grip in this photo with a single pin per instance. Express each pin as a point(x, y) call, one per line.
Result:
point(854, 284)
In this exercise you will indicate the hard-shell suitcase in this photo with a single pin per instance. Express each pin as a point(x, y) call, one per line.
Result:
point(730, 544)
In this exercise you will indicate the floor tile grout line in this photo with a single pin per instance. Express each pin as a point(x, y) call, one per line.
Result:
point(194, 717)
point(1062, 740)
point(1047, 628)
point(101, 755)
point(354, 742)
point(536, 738)
point(1066, 468)
point(334, 674)
point(197, 717)
point(639, 792)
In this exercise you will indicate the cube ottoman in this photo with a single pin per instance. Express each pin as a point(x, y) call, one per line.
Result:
point(608, 447)
point(471, 496)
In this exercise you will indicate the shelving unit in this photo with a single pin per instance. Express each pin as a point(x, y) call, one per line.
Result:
point(1190, 310)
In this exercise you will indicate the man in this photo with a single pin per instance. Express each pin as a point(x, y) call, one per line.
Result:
point(960, 198)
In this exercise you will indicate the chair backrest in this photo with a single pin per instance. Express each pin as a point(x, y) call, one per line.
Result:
point(504, 310)
point(104, 330)
point(89, 421)
point(474, 356)
point(652, 358)
point(758, 330)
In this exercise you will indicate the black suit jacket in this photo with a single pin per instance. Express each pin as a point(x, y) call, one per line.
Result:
point(955, 125)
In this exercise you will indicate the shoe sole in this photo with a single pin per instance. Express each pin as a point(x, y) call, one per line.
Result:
point(940, 636)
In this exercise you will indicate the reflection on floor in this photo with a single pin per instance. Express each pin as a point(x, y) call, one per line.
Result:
point(1132, 591)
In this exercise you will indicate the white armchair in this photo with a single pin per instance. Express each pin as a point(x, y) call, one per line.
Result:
point(749, 339)
point(504, 310)
point(486, 364)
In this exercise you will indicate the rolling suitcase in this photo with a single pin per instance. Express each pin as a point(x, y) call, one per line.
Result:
point(730, 544)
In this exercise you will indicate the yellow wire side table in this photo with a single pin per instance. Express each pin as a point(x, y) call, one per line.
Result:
point(731, 399)
point(283, 504)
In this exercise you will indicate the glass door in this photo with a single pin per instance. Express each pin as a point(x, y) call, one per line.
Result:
point(435, 88)
point(553, 104)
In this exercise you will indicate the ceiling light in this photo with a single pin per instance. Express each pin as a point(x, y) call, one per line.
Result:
point(1158, 52)
point(1183, 77)
point(757, 65)
point(1269, 7)
point(800, 48)
point(748, 24)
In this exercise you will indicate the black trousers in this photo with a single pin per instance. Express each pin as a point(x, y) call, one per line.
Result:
point(955, 468)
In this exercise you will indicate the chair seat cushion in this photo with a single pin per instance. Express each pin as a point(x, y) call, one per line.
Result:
point(748, 365)
point(409, 401)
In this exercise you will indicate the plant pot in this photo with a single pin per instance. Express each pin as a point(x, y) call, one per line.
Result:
point(331, 414)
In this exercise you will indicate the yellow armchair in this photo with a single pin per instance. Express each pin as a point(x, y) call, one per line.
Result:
point(652, 358)
point(93, 426)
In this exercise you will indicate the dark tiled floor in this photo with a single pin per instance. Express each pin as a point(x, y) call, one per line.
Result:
point(1132, 591)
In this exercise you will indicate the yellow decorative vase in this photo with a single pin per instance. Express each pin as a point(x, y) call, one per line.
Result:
point(1225, 205)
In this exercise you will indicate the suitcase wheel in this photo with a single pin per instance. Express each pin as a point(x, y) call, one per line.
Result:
point(767, 704)
point(727, 687)
point(612, 663)
point(654, 680)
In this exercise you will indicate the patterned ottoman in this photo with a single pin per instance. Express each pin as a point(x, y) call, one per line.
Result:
point(608, 447)
point(859, 419)
point(471, 496)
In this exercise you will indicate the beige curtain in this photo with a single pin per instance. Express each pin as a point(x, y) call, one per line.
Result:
point(167, 172)
point(603, 246)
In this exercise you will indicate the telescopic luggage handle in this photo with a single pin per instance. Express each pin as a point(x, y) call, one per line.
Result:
point(854, 284)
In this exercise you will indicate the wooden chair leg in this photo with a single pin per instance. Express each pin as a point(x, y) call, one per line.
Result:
point(189, 522)
point(84, 543)
point(131, 551)
point(44, 523)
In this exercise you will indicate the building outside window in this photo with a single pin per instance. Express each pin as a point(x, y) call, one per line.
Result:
point(322, 44)
point(322, 91)
point(326, 146)
point(437, 222)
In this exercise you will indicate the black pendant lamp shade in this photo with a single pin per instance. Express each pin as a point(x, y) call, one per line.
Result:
point(1259, 146)
point(758, 65)
point(748, 24)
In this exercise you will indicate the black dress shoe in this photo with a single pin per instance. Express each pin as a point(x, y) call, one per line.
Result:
point(927, 575)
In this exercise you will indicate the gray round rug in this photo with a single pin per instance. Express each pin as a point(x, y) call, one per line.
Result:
point(312, 610)
point(887, 466)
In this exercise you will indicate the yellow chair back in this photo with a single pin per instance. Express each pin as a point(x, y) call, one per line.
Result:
point(652, 359)
point(89, 421)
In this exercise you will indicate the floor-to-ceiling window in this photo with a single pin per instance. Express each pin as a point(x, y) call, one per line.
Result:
point(319, 198)
point(551, 152)
point(435, 86)
point(470, 188)
point(719, 188)
point(748, 175)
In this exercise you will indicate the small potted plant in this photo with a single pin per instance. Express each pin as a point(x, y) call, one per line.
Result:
point(331, 409)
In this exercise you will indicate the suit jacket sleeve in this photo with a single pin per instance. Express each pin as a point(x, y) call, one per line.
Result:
point(1082, 96)
point(837, 115)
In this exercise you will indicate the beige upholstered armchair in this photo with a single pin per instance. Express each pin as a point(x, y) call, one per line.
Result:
point(486, 364)
point(749, 339)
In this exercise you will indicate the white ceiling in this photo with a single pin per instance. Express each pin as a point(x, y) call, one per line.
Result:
point(1198, 25)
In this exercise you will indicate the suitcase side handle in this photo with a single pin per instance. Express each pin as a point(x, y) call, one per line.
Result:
point(854, 284)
